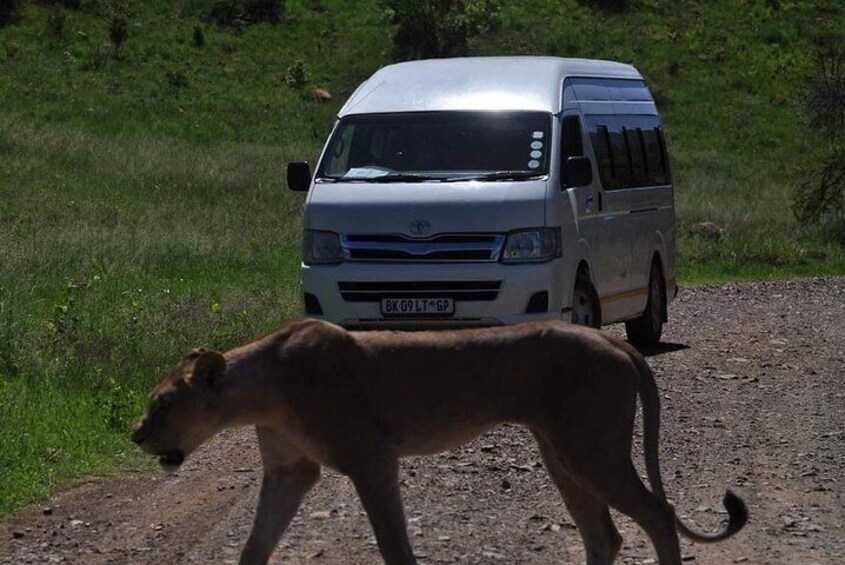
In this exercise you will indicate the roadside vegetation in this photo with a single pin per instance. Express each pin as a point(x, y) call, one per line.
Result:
point(143, 208)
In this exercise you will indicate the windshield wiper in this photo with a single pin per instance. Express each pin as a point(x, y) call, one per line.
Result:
point(506, 175)
point(398, 177)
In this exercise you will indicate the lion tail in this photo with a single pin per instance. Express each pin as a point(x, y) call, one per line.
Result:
point(650, 398)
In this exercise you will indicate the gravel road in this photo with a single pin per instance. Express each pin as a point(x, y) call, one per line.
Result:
point(751, 377)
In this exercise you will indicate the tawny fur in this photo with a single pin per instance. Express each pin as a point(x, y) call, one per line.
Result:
point(358, 401)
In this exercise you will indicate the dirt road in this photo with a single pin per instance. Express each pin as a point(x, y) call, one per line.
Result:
point(751, 377)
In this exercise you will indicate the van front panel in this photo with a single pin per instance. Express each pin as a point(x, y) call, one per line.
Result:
point(482, 293)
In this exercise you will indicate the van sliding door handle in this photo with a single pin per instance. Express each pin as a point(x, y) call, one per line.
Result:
point(601, 202)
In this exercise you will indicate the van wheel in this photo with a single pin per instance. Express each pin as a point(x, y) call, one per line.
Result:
point(585, 302)
point(646, 330)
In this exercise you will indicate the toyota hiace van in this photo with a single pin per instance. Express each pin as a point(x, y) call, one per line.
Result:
point(492, 190)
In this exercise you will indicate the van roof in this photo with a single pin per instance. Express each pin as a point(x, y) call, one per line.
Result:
point(476, 83)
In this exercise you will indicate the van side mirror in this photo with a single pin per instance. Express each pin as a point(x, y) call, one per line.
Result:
point(299, 176)
point(578, 171)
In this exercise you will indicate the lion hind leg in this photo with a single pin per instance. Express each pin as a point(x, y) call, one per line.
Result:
point(604, 471)
point(625, 491)
point(601, 538)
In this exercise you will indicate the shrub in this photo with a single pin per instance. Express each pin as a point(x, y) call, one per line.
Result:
point(822, 193)
point(117, 402)
point(295, 77)
point(199, 36)
point(9, 11)
point(438, 28)
point(270, 11)
point(614, 6)
point(235, 14)
point(69, 4)
point(824, 103)
point(228, 13)
point(118, 30)
point(56, 26)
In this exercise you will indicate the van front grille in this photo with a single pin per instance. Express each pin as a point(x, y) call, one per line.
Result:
point(462, 291)
point(445, 248)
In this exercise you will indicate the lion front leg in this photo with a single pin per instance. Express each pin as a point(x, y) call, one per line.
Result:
point(287, 479)
point(282, 492)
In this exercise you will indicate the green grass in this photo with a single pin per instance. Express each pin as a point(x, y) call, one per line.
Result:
point(120, 255)
point(67, 436)
point(143, 210)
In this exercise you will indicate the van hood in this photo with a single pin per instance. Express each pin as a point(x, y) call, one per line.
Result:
point(446, 207)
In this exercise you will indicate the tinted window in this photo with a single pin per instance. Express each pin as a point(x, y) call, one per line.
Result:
point(664, 154)
point(438, 144)
point(630, 150)
point(570, 142)
point(658, 172)
point(601, 89)
point(600, 140)
point(619, 156)
point(636, 156)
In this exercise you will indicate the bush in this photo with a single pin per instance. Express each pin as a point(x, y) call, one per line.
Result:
point(824, 103)
point(199, 36)
point(614, 6)
point(118, 30)
point(9, 11)
point(56, 26)
point(438, 28)
point(269, 11)
point(69, 4)
point(235, 14)
point(295, 76)
point(823, 193)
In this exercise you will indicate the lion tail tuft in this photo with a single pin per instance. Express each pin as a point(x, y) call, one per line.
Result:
point(650, 398)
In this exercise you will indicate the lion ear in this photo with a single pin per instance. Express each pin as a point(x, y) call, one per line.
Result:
point(208, 368)
point(194, 354)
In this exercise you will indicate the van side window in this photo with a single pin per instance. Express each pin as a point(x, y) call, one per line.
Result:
point(636, 157)
point(619, 156)
point(600, 140)
point(641, 141)
point(664, 154)
point(654, 155)
point(570, 143)
point(630, 150)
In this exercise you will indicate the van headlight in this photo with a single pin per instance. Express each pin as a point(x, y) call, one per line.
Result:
point(532, 246)
point(321, 248)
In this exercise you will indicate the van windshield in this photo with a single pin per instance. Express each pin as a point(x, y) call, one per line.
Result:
point(442, 146)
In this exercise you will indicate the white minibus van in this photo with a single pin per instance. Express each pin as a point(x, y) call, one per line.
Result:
point(492, 190)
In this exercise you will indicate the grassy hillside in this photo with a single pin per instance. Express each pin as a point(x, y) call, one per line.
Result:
point(142, 202)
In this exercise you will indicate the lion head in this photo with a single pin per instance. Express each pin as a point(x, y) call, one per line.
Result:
point(182, 413)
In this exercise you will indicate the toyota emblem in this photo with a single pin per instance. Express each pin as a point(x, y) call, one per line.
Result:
point(420, 227)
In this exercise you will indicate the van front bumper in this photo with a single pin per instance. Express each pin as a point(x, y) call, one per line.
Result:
point(485, 294)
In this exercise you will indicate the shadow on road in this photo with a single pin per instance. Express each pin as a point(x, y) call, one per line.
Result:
point(662, 348)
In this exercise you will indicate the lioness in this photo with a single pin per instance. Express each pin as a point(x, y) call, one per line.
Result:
point(358, 401)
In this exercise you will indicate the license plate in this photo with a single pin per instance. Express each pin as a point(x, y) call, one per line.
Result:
point(392, 307)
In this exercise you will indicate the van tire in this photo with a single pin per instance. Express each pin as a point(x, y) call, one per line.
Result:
point(586, 309)
point(645, 331)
